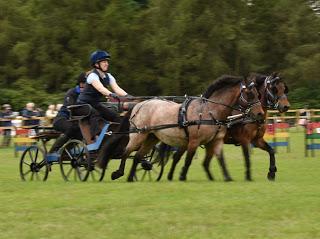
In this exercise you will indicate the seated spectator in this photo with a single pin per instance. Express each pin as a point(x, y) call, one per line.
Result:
point(58, 107)
point(304, 116)
point(30, 113)
point(51, 113)
point(6, 114)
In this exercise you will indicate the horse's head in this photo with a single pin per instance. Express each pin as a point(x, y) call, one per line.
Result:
point(238, 94)
point(276, 93)
point(249, 101)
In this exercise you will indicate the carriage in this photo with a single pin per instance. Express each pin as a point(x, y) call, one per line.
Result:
point(76, 159)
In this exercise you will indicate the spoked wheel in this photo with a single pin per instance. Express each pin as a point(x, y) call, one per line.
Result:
point(150, 168)
point(33, 165)
point(95, 173)
point(74, 161)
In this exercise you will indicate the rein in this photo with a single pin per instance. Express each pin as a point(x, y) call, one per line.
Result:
point(182, 98)
point(231, 120)
point(234, 119)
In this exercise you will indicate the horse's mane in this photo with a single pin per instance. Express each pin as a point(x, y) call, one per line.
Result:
point(224, 81)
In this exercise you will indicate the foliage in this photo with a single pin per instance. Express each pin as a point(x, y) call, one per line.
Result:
point(157, 47)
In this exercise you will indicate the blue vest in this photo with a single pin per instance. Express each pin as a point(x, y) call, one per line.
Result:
point(90, 95)
point(69, 99)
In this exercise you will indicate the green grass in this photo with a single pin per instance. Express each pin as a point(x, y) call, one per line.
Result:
point(286, 208)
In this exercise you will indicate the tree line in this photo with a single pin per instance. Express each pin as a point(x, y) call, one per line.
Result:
point(158, 47)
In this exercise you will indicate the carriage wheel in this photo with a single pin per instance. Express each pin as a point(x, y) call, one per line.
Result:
point(74, 161)
point(151, 167)
point(33, 165)
point(95, 173)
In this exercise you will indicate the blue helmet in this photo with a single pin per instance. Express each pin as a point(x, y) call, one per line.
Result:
point(98, 56)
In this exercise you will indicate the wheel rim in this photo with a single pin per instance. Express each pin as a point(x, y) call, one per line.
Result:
point(33, 166)
point(96, 173)
point(74, 161)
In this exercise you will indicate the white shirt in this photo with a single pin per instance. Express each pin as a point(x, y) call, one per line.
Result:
point(93, 76)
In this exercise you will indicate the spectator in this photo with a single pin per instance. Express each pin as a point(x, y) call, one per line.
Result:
point(58, 107)
point(6, 115)
point(304, 116)
point(31, 114)
point(51, 113)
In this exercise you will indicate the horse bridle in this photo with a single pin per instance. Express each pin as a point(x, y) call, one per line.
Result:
point(245, 105)
point(272, 100)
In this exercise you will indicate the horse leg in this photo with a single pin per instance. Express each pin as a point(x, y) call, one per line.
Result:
point(192, 147)
point(176, 158)
point(143, 150)
point(120, 171)
point(262, 144)
point(207, 161)
point(134, 143)
point(226, 175)
point(245, 150)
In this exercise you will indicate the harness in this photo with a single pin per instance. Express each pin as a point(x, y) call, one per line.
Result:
point(182, 115)
point(271, 99)
point(184, 123)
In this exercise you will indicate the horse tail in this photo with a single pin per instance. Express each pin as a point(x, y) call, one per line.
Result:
point(114, 145)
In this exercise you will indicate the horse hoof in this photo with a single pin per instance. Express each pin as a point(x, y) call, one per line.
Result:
point(182, 178)
point(170, 177)
point(116, 175)
point(271, 176)
point(228, 179)
point(130, 179)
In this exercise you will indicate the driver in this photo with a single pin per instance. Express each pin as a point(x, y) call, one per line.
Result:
point(96, 86)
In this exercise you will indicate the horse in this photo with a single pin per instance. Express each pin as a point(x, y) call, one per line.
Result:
point(273, 95)
point(202, 121)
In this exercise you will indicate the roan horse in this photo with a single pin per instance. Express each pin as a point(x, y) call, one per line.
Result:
point(273, 95)
point(203, 122)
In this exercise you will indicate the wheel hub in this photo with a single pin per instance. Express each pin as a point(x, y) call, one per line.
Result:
point(146, 165)
point(34, 167)
point(74, 163)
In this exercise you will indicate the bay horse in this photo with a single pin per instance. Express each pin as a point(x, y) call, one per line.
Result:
point(273, 95)
point(202, 122)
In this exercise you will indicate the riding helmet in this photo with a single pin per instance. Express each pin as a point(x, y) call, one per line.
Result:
point(98, 56)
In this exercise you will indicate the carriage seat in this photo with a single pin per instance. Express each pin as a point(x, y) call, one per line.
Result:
point(78, 112)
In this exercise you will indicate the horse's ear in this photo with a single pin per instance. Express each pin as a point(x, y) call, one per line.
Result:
point(251, 77)
point(286, 89)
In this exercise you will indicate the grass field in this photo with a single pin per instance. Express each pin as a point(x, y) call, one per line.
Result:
point(286, 208)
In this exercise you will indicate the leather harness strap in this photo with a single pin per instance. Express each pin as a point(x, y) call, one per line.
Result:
point(182, 115)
